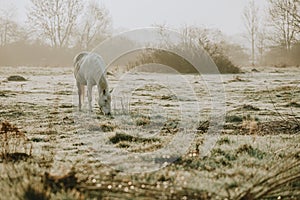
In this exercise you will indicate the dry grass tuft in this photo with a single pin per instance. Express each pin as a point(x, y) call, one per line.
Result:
point(251, 151)
point(203, 126)
point(107, 127)
point(281, 183)
point(143, 121)
point(170, 127)
point(251, 126)
point(102, 127)
point(28, 181)
point(57, 183)
point(15, 146)
point(32, 192)
point(7, 127)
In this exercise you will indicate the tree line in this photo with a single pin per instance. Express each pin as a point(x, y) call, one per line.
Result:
point(274, 36)
point(55, 30)
point(58, 24)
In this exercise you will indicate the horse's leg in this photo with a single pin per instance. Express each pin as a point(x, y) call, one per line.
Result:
point(90, 87)
point(80, 93)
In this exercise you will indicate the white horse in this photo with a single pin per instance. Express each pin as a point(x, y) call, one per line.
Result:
point(89, 70)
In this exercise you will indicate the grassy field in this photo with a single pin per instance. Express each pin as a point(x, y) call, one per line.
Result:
point(152, 146)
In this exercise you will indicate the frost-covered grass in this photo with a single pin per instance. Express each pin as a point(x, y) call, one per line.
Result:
point(256, 155)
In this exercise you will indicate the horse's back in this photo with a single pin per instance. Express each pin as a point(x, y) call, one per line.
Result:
point(88, 67)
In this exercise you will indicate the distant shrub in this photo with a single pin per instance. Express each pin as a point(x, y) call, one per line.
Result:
point(121, 137)
point(198, 43)
point(180, 64)
point(278, 56)
point(225, 65)
point(16, 78)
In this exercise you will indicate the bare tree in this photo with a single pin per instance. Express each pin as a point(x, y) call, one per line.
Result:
point(94, 25)
point(209, 39)
point(54, 20)
point(296, 14)
point(9, 29)
point(261, 42)
point(294, 10)
point(283, 17)
point(250, 16)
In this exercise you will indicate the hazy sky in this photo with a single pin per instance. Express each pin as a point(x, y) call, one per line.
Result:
point(222, 14)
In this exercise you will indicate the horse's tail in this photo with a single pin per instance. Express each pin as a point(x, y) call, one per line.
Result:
point(77, 61)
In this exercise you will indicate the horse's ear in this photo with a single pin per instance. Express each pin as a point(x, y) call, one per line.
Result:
point(111, 90)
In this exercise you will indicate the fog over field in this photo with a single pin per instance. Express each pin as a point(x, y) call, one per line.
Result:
point(225, 16)
point(190, 99)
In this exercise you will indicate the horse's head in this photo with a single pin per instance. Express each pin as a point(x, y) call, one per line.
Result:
point(105, 102)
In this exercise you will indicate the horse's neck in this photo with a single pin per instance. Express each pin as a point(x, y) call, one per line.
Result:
point(102, 84)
